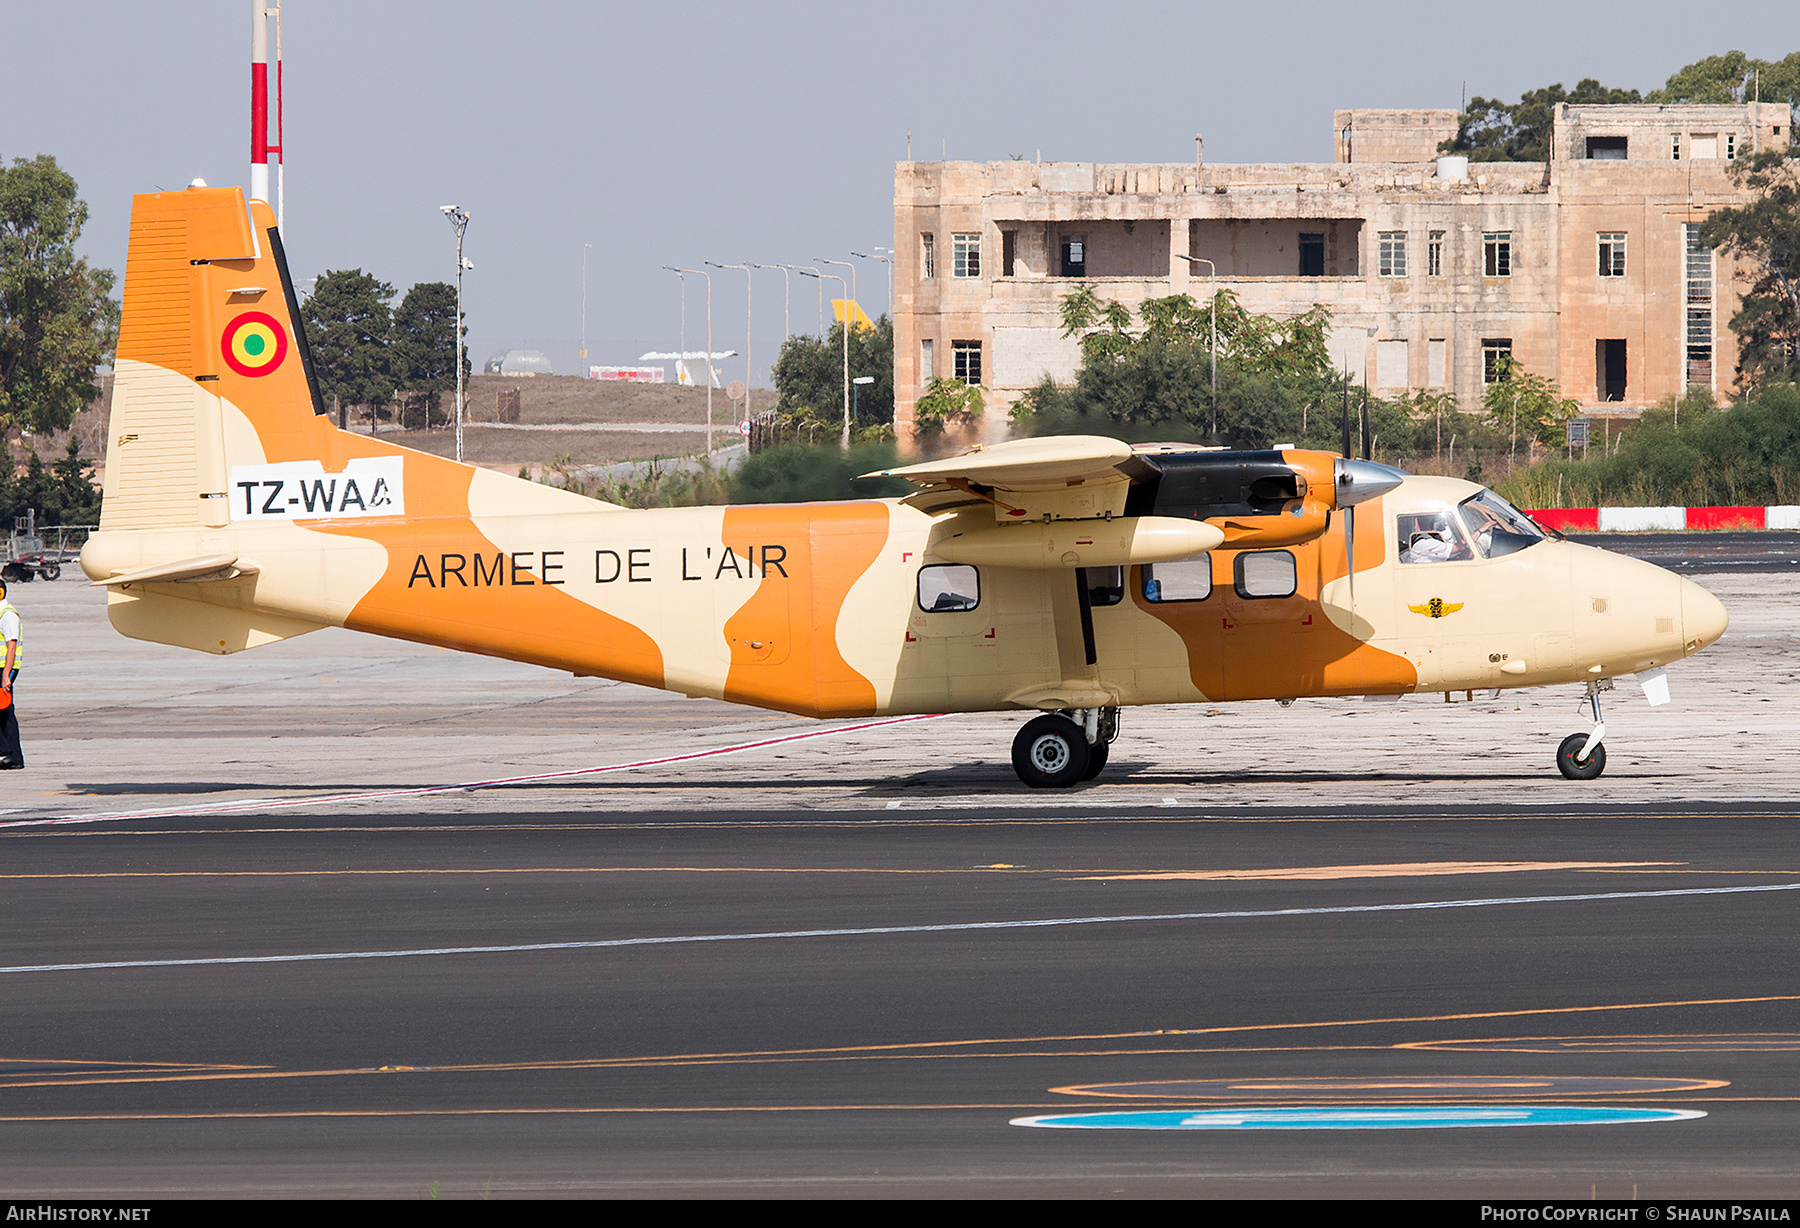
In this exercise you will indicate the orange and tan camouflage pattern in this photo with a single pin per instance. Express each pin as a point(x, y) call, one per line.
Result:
point(807, 608)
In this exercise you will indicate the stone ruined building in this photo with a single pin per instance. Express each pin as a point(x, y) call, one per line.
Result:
point(1586, 268)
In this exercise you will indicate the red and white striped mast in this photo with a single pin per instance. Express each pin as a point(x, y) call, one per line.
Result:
point(260, 148)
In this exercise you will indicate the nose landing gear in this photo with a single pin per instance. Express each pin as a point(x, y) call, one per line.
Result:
point(1060, 749)
point(1581, 755)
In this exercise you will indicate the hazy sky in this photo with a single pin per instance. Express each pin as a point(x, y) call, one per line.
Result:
point(678, 133)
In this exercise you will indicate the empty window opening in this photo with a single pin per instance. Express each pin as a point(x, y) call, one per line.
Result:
point(928, 254)
point(1182, 580)
point(1608, 148)
point(965, 255)
point(927, 365)
point(948, 588)
point(1393, 253)
point(1265, 573)
point(1074, 255)
point(1496, 359)
point(1434, 254)
point(1609, 370)
point(966, 359)
point(1612, 254)
point(1496, 253)
point(1009, 250)
point(1312, 254)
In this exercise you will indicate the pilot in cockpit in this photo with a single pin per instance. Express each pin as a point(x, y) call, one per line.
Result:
point(1429, 538)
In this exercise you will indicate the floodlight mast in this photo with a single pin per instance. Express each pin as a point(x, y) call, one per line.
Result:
point(459, 218)
point(710, 381)
point(840, 281)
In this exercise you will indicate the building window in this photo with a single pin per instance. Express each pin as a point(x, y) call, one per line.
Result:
point(965, 253)
point(1730, 146)
point(1496, 253)
point(1496, 359)
point(1675, 146)
point(928, 254)
point(927, 365)
point(1312, 254)
point(1393, 253)
point(1612, 254)
point(1009, 251)
point(1074, 255)
point(1434, 254)
point(966, 359)
point(1610, 148)
point(1697, 300)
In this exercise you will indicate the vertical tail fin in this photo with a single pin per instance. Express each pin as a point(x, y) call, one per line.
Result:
point(209, 314)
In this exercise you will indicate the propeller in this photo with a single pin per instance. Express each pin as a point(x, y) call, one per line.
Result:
point(1358, 481)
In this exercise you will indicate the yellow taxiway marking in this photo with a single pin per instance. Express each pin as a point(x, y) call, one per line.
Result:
point(928, 1049)
point(1397, 869)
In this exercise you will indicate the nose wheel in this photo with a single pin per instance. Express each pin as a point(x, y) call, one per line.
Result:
point(1581, 755)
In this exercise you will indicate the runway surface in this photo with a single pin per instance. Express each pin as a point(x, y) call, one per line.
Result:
point(845, 964)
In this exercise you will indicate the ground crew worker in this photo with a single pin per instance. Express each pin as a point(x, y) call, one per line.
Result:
point(12, 755)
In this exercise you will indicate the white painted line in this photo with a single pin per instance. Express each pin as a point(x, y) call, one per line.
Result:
point(340, 799)
point(864, 931)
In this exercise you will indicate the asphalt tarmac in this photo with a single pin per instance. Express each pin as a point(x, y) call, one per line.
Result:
point(845, 965)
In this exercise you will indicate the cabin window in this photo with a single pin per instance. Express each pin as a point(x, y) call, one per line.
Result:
point(1497, 526)
point(1105, 585)
point(1265, 573)
point(1182, 580)
point(1429, 537)
point(948, 588)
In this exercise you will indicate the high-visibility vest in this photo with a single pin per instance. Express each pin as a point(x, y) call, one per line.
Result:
point(6, 607)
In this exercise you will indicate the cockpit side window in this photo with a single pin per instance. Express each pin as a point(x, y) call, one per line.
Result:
point(1430, 537)
point(1496, 526)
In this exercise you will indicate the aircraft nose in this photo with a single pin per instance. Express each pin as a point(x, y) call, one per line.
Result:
point(1703, 617)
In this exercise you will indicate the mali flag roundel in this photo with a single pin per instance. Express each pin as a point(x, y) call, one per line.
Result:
point(254, 344)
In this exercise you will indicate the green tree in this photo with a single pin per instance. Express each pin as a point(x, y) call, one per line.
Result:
point(947, 403)
point(798, 473)
point(423, 352)
point(809, 375)
point(1531, 406)
point(1766, 234)
point(1491, 130)
point(57, 319)
point(348, 323)
point(1733, 78)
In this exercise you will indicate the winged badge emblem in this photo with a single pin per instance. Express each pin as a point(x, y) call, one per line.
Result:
point(1437, 607)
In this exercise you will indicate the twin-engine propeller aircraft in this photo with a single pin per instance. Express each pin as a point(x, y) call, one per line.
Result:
point(1072, 576)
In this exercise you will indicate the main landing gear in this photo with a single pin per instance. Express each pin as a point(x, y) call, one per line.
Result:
point(1060, 749)
point(1581, 756)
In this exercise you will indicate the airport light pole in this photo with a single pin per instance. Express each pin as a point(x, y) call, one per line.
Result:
point(786, 332)
point(888, 260)
point(749, 296)
point(856, 395)
point(844, 264)
point(709, 348)
point(839, 281)
point(459, 218)
point(1212, 298)
point(808, 271)
point(584, 255)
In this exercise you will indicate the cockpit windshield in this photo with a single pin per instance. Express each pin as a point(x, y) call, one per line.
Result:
point(1496, 526)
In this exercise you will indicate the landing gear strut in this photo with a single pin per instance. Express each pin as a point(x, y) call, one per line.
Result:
point(1581, 755)
point(1060, 749)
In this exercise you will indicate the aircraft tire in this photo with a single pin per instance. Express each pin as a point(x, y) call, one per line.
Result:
point(1579, 769)
point(1050, 752)
point(1097, 755)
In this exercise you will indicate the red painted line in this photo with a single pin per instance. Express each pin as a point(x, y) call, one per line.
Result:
point(339, 799)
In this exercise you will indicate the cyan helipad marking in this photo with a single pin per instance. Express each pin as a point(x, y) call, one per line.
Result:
point(1363, 1117)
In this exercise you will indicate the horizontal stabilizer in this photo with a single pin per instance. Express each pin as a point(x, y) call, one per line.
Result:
point(206, 567)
